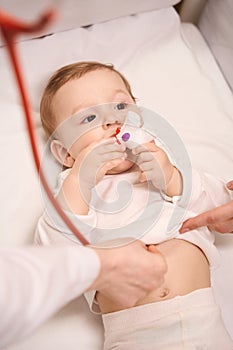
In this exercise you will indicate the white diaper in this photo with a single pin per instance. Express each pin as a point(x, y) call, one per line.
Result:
point(190, 322)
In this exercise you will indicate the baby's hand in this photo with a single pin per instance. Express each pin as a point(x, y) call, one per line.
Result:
point(91, 164)
point(96, 160)
point(156, 166)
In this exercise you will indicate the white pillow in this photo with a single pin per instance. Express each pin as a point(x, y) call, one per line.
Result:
point(77, 13)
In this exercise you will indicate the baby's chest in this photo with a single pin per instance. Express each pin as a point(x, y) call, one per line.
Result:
point(131, 209)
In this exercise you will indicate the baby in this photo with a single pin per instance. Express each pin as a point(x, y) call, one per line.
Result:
point(83, 109)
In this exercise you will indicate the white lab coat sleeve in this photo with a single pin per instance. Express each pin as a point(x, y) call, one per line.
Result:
point(35, 282)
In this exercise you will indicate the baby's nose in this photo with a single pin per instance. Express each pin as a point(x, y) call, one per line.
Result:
point(108, 124)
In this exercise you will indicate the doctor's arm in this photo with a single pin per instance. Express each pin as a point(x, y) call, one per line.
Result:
point(35, 282)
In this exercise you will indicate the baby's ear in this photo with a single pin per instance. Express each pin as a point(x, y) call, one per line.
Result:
point(61, 154)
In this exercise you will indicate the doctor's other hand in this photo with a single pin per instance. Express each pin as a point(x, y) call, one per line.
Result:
point(128, 273)
point(219, 219)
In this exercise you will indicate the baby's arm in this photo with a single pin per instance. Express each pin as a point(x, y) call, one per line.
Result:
point(71, 197)
point(89, 167)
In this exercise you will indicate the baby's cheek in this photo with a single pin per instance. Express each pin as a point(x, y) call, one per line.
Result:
point(84, 141)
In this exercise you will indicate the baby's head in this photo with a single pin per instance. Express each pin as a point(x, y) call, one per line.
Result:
point(74, 89)
point(66, 78)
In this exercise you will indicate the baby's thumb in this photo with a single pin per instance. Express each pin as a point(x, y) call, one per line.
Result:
point(142, 177)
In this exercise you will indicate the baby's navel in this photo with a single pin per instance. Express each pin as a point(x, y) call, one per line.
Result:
point(164, 292)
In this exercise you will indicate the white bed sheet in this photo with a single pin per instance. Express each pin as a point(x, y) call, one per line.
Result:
point(222, 278)
point(172, 71)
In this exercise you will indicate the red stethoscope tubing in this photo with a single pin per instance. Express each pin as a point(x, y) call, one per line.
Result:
point(10, 28)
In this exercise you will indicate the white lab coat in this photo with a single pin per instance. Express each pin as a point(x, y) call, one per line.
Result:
point(35, 282)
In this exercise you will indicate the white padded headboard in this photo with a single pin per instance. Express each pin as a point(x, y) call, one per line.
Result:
point(78, 13)
point(216, 26)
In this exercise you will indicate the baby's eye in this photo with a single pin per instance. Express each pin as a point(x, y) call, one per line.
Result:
point(121, 106)
point(89, 119)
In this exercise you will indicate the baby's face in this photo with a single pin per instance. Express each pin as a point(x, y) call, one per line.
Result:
point(101, 87)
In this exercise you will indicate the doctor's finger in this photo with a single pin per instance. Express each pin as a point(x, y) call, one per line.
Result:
point(209, 218)
point(223, 227)
point(230, 185)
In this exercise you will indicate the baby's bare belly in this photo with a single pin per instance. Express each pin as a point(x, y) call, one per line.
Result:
point(188, 270)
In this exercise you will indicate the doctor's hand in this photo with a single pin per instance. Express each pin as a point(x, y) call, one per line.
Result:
point(219, 219)
point(156, 166)
point(128, 273)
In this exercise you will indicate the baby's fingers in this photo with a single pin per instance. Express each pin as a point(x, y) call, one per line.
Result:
point(144, 157)
point(110, 145)
point(104, 151)
point(146, 147)
point(142, 177)
point(106, 167)
point(106, 157)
